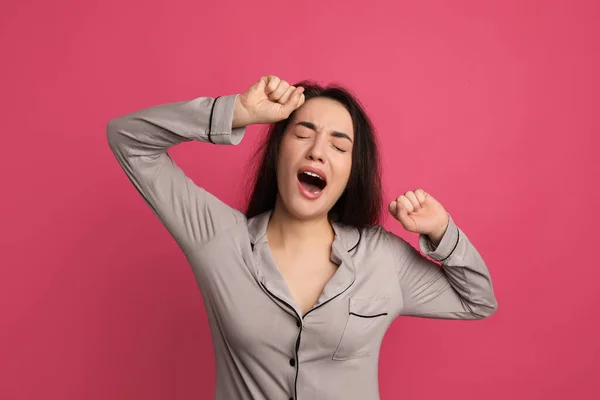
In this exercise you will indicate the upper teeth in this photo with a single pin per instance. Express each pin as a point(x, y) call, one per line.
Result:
point(312, 174)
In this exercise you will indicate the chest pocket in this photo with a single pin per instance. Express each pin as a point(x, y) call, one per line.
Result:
point(365, 328)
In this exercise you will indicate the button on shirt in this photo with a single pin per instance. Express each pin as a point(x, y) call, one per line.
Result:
point(265, 348)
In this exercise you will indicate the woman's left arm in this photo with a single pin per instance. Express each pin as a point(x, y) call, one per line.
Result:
point(461, 288)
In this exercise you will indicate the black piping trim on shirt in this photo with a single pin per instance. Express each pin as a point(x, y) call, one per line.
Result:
point(300, 320)
point(300, 333)
point(297, 363)
point(455, 245)
point(368, 316)
point(321, 305)
point(356, 245)
point(283, 301)
point(297, 340)
point(212, 109)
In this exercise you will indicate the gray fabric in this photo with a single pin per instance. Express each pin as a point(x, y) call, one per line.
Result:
point(264, 348)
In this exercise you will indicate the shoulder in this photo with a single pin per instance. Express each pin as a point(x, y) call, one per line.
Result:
point(376, 234)
point(381, 239)
point(354, 238)
point(371, 238)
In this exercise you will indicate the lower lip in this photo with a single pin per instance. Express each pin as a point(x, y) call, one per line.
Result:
point(309, 195)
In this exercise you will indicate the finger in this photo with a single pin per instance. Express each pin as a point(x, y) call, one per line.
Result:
point(399, 212)
point(302, 99)
point(259, 86)
point(393, 207)
point(286, 96)
point(402, 213)
point(407, 204)
point(293, 101)
point(272, 82)
point(410, 195)
point(279, 91)
point(421, 196)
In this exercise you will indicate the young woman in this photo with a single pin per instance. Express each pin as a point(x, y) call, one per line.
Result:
point(300, 289)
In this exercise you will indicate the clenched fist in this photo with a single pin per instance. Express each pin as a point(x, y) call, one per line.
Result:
point(419, 212)
point(267, 101)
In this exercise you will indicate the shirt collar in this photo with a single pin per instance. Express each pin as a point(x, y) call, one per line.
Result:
point(346, 239)
point(348, 236)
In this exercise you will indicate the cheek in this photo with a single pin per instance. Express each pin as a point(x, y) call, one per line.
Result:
point(343, 173)
point(347, 167)
point(286, 150)
point(285, 163)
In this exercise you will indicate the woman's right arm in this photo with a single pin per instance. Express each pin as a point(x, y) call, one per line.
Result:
point(140, 141)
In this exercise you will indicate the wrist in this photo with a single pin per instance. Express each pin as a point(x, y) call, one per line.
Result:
point(241, 116)
point(436, 237)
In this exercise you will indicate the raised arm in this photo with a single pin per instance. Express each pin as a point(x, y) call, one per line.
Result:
point(140, 141)
point(459, 288)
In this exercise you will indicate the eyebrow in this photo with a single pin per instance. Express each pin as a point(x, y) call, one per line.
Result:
point(312, 126)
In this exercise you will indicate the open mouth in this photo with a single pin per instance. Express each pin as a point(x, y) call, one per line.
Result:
point(312, 182)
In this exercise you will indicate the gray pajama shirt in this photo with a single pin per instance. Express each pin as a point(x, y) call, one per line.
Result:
point(264, 347)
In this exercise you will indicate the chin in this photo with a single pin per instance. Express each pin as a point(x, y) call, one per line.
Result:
point(305, 210)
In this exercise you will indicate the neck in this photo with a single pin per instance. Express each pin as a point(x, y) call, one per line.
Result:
point(284, 231)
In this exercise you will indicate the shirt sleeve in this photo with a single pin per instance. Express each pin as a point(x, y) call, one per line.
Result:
point(140, 141)
point(459, 288)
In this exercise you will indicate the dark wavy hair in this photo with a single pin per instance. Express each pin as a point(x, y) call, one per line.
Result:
point(360, 203)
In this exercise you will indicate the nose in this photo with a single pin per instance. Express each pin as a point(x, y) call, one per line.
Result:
point(316, 151)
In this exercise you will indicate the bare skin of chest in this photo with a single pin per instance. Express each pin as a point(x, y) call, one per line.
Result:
point(306, 276)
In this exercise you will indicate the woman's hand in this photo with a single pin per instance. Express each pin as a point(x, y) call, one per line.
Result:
point(419, 212)
point(267, 101)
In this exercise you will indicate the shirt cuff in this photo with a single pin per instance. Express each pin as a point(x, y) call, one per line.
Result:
point(446, 246)
point(221, 132)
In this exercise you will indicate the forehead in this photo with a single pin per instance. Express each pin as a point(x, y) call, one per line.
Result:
point(326, 114)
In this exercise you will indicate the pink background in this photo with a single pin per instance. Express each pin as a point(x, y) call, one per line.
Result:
point(492, 106)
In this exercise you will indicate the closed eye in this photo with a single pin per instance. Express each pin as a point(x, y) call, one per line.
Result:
point(337, 148)
point(308, 137)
